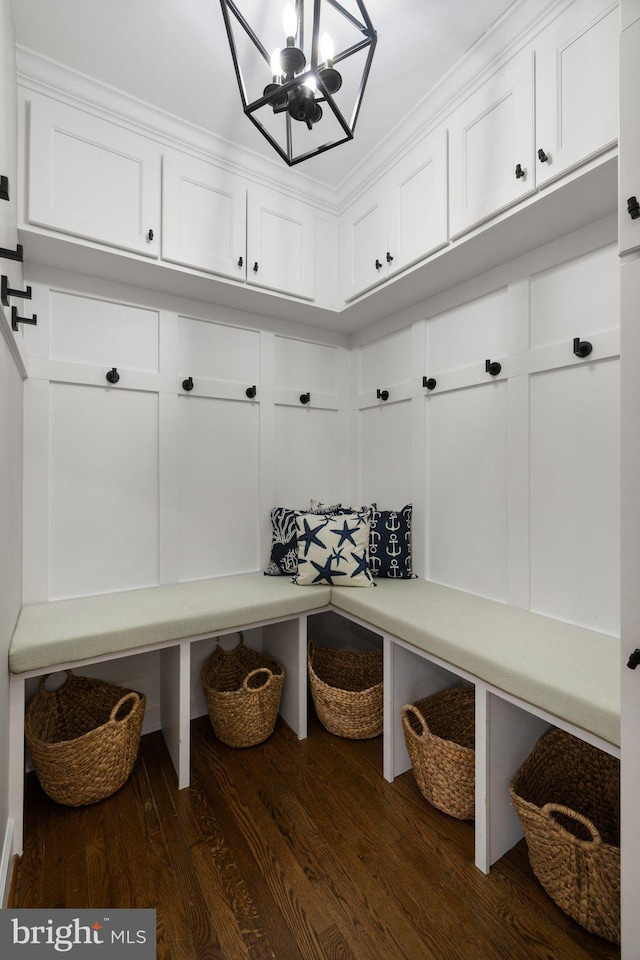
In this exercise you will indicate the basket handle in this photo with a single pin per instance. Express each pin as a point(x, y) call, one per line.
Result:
point(410, 708)
point(245, 682)
point(43, 680)
point(550, 808)
point(132, 695)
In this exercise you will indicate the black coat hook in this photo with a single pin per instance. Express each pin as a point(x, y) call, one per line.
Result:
point(113, 376)
point(6, 291)
point(581, 348)
point(251, 392)
point(17, 254)
point(492, 368)
point(382, 394)
point(305, 397)
point(15, 319)
point(4, 187)
point(429, 382)
point(187, 384)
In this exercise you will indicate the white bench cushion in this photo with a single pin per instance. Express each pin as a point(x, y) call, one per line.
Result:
point(571, 672)
point(62, 631)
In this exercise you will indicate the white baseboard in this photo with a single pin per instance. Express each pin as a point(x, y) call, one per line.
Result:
point(6, 863)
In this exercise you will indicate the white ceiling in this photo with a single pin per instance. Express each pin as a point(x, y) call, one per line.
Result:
point(173, 54)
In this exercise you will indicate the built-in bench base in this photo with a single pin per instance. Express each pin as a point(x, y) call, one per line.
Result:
point(530, 672)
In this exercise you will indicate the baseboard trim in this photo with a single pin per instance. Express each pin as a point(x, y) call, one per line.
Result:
point(6, 863)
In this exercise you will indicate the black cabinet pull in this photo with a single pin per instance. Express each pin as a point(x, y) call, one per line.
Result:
point(15, 319)
point(634, 659)
point(7, 292)
point(150, 235)
point(255, 267)
point(4, 187)
point(17, 254)
point(113, 376)
point(542, 156)
point(519, 171)
point(429, 382)
point(581, 348)
point(187, 384)
point(251, 392)
point(305, 397)
point(633, 207)
point(492, 368)
point(240, 261)
point(382, 394)
point(389, 257)
point(378, 265)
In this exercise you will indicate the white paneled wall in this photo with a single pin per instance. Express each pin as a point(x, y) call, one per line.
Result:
point(145, 482)
point(514, 477)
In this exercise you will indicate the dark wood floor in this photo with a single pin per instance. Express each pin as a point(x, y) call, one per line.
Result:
point(294, 851)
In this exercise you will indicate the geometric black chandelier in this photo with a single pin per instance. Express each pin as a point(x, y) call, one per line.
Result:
point(302, 84)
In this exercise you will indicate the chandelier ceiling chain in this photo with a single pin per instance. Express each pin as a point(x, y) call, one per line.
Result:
point(300, 82)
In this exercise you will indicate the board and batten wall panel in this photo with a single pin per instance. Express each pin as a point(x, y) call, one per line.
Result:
point(103, 490)
point(217, 446)
point(216, 351)
point(386, 455)
point(306, 456)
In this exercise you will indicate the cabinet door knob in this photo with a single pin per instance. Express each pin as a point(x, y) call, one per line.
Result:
point(255, 267)
point(305, 397)
point(113, 376)
point(581, 348)
point(633, 207)
point(187, 384)
point(542, 156)
point(150, 235)
point(389, 257)
point(378, 265)
point(240, 261)
point(520, 172)
point(382, 394)
point(429, 382)
point(493, 368)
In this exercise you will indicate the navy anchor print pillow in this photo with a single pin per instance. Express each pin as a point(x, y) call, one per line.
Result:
point(390, 542)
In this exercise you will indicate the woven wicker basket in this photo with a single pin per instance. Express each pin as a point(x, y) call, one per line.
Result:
point(243, 690)
point(439, 734)
point(346, 687)
point(567, 797)
point(83, 738)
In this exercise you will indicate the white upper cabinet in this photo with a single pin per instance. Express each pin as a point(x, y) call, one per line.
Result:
point(204, 215)
point(400, 220)
point(491, 146)
point(576, 87)
point(629, 168)
point(93, 179)
point(280, 243)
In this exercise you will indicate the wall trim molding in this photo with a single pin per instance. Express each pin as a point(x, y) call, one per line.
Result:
point(6, 863)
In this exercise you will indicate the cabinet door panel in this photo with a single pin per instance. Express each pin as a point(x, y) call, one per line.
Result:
point(576, 87)
point(89, 330)
point(575, 495)
point(629, 155)
point(467, 489)
point(385, 455)
point(103, 490)
point(417, 198)
point(306, 456)
point(217, 487)
point(301, 365)
point(280, 241)
point(363, 243)
point(203, 216)
point(489, 135)
point(93, 179)
point(215, 351)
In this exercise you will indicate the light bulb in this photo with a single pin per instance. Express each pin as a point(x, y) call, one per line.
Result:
point(276, 66)
point(311, 84)
point(326, 48)
point(289, 21)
